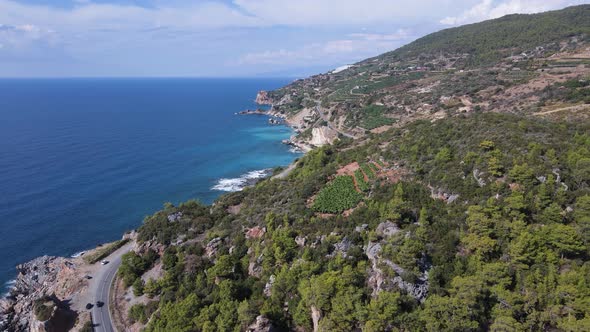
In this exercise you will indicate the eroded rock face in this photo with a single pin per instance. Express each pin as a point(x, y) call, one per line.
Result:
point(268, 287)
point(316, 316)
point(262, 98)
point(379, 281)
point(213, 246)
point(255, 267)
point(342, 247)
point(322, 136)
point(255, 232)
point(387, 229)
point(42, 276)
point(262, 324)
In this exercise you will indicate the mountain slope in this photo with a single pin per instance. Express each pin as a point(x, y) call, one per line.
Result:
point(467, 208)
point(511, 64)
point(476, 221)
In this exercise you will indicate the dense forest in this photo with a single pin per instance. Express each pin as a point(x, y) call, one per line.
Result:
point(474, 220)
point(509, 253)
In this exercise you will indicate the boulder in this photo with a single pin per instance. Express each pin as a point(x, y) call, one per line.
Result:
point(387, 229)
point(262, 324)
point(213, 246)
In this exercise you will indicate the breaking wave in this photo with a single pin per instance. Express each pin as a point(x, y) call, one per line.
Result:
point(237, 184)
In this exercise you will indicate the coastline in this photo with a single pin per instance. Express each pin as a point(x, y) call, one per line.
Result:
point(17, 302)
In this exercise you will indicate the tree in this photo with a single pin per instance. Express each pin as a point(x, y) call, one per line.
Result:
point(522, 174)
point(382, 311)
point(562, 238)
point(480, 228)
point(179, 316)
point(487, 145)
point(138, 285)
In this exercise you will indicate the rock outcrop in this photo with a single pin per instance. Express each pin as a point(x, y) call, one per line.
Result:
point(378, 280)
point(262, 324)
point(262, 98)
point(322, 136)
point(43, 276)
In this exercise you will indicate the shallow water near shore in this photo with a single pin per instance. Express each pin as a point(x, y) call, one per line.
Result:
point(84, 160)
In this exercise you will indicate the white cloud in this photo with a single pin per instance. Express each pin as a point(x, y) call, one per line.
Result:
point(339, 12)
point(400, 34)
point(23, 36)
point(489, 9)
point(112, 16)
point(356, 47)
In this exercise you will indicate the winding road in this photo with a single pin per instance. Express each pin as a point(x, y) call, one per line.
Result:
point(101, 316)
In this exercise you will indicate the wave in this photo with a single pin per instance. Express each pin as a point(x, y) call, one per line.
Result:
point(8, 286)
point(239, 183)
point(78, 254)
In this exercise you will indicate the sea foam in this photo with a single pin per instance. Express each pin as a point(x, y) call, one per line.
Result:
point(8, 286)
point(239, 183)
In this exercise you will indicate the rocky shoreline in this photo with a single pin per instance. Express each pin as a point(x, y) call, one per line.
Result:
point(62, 282)
point(294, 122)
point(55, 278)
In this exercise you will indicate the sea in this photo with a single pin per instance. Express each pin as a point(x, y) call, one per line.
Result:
point(84, 160)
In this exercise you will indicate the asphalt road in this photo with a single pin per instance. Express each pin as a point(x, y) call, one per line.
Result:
point(101, 316)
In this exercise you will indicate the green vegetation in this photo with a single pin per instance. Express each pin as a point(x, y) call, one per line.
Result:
point(133, 267)
point(87, 327)
point(372, 116)
point(572, 91)
point(488, 41)
point(43, 308)
point(368, 171)
point(141, 312)
point(487, 230)
point(360, 180)
point(499, 256)
point(104, 251)
point(337, 196)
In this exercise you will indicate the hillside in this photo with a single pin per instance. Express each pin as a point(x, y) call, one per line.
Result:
point(454, 196)
point(517, 64)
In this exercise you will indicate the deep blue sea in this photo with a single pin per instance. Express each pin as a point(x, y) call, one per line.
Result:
point(84, 160)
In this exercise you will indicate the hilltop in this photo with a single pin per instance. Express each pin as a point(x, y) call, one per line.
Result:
point(525, 64)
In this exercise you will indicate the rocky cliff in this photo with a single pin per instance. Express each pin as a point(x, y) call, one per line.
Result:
point(45, 276)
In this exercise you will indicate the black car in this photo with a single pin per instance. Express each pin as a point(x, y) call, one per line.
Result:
point(89, 306)
point(99, 304)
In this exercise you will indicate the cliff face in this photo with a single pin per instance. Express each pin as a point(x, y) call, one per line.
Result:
point(322, 136)
point(262, 98)
point(43, 276)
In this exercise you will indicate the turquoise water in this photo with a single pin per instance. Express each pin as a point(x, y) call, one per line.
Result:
point(84, 160)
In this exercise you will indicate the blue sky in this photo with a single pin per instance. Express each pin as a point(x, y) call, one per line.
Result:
point(74, 38)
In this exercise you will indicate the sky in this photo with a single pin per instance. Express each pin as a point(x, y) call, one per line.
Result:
point(222, 38)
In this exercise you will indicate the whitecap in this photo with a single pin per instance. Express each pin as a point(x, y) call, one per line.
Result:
point(78, 254)
point(237, 184)
point(8, 286)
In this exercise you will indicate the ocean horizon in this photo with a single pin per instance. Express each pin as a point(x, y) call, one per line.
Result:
point(85, 159)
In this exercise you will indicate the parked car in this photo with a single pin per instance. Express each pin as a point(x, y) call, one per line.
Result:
point(104, 262)
point(89, 306)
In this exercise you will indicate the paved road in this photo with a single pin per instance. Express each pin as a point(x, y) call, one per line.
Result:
point(101, 316)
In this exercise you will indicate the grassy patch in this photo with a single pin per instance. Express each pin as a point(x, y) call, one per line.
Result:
point(103, 252)
point(368, 171)
point(372, 117)
point(337, 196)
point(43, 308)
point(360, 180)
